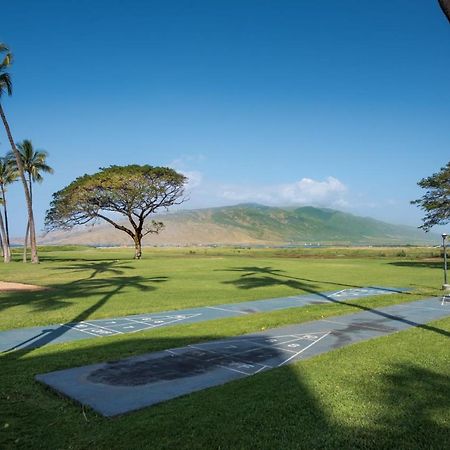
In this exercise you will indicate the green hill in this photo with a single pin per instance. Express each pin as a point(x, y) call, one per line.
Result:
point(310, 224)
point(255, 224)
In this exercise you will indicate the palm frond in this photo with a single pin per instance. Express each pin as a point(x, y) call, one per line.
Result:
point(5, 84)
point(7, 61)
point(8, 173)
point(34, 161)
point(42, 167)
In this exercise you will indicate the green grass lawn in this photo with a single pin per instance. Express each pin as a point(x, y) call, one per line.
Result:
point(391, 392)
point(93, 283)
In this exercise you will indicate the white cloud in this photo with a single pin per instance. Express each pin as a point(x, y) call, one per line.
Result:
point(308, 190)
point(204, 192)
point(194, 177)
point(330, 192)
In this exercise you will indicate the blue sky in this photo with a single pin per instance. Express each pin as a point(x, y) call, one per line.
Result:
point(343, 104)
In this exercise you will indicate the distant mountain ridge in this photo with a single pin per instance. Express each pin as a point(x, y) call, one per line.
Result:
point(255, 224)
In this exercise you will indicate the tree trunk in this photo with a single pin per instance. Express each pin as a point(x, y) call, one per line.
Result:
point(137, 247)
point(34, 255)
point(2, 244)
point(5, 246)
point(25, 243)
point(445, 6)
point(6, 216)
point(27, 233)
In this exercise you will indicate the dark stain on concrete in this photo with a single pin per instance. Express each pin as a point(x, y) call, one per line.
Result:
point(171, 367)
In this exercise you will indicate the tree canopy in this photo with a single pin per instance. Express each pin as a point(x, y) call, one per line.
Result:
point(5, 78)
point(34, 161)
point(132, 191)
point(436, 200)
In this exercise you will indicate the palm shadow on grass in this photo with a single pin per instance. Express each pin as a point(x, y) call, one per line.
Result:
point(60, 295)
point(281, 408)
point(248, 280)
point(114, 267)
point(254, 274)
point(83, 288)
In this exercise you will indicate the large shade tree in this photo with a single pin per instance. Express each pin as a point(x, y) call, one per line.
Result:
point(34, 164)
point(6, 88)
point(436, 200)
point(132, 192)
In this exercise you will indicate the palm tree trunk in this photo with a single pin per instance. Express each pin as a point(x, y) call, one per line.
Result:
point(25, 244)
point(5, 246)
point(6, 215)
point(27, 233)
point(34, 255)
point(445, 6)
point(1, 245)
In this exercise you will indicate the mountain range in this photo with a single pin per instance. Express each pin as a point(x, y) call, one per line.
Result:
point(254, 224)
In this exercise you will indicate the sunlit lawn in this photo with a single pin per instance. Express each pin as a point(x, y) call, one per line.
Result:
point(107, 283)
point(391, 392)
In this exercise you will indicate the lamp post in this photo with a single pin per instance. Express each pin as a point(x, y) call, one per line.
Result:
point(445, 286)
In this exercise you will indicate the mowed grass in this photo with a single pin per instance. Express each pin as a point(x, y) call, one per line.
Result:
point(391, 392)
point(99, 283)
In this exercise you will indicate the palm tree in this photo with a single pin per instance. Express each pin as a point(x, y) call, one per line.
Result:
point(1, 245)
point(5, 247)
point(34, 164)
point(8, 174)
point(6, 88)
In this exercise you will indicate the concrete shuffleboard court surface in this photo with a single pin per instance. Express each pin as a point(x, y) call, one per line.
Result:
point(26, 338)
point(118, 387)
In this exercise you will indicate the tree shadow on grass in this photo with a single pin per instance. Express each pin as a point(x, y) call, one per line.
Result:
point(108, 288)
point(418, 264)
point(71, 257)
point(60, 295)
point(420, 393)
point(165, 424)
point(249, 281)
point(114, 267)
point(291, 407)
point(252, 271)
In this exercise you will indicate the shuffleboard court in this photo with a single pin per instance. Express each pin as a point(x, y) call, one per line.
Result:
point(118, 387)
point(26, 338)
